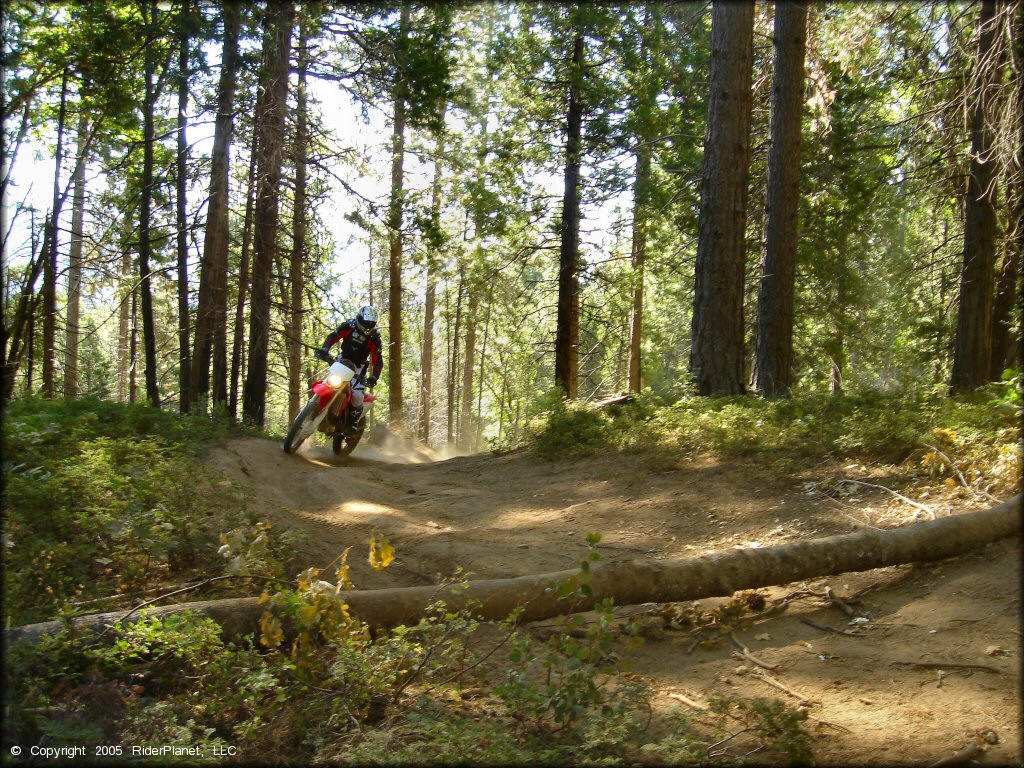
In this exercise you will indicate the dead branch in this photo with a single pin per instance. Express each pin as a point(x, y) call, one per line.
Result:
point(823, 628)
point(969, 752)
point(940, 665)
point(746, 654)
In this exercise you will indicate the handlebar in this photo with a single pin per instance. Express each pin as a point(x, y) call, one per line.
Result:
point(330, 359)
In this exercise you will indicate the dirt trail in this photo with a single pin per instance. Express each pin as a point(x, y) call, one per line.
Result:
point(502, 516)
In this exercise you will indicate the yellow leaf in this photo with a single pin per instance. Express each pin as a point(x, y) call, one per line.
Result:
point(264, 598)
point(381, 553)
point(271, 633)
point(344, 582)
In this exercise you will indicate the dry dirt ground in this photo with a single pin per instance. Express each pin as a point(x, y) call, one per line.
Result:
point(503, 516)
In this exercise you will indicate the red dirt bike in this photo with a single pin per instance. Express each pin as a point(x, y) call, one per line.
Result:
point(329, 409)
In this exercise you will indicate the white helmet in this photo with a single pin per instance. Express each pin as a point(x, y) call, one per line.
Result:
point(366, 318)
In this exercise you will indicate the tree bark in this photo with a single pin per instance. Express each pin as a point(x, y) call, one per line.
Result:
point(294, 341)
point(627, 582)
point(181, 186)
point(211, 311)
point(453, 358)
point(238, 337)
point(773, 375)
point(49, 287)
point(643, 109)
point(466, 428)
point(145, 216)
point(71, 386)
point(427, 353)
point(716, 354)
point(126, 291)
point(277, 42)
point(567, 323)
point(395, 235)
point(972, 352)
point(1006, 340)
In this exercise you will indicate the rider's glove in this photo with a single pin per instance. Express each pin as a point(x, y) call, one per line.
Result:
point(371, 381)
point(322, 354)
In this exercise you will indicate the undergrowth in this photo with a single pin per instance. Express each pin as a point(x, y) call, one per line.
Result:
point(320, 687)
point(978, 433)
point(102, 499)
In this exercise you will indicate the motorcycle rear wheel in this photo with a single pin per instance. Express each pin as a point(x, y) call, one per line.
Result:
point(303, 426)
point(345, 444)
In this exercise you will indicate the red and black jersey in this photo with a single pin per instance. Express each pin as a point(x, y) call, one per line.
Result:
point(358, 345)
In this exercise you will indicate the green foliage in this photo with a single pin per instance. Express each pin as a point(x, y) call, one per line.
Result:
point(103, 498)
point(869, 425)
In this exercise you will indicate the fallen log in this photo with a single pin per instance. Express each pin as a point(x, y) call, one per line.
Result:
point(626, 582)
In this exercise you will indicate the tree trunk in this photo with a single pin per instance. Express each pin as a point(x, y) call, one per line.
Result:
point(71, 386)
point(145, 216)
point(568, 314)
point(395, 237)
point(427, 353)
point(133, 348)
point(271, 120)
point(643, 109)
point(773, 375)
point(238, 338)
point(466, 428)
point(181, 185)
point(294, 341)
point(972, 352)
point(211, 310)
point(453, 359)
point(626, 582)
point(123, 328)
point(716, 354)
point(49, 287)
point(1006, 341)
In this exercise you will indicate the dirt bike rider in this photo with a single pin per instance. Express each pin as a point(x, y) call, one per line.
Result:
point(359, 340)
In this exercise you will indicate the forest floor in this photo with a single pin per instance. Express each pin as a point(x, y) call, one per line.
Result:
point(511, 515)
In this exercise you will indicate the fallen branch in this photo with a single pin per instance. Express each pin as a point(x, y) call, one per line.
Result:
point(839, 603)
point(823, 628)
point(940, 665)
point(899, 496)
point(775, 683)
point(746, 654)
point(688, 702)
point(625, 582)
point(969, 752)
point(960, 475)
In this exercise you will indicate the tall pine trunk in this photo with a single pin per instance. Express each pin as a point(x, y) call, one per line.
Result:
point(271, 120)
point(238, 337)
point(294, 342)
point(643, 109)
point(972, 351)
point(453, 358)
point(716, 354)
point(50, 250)
point(466, 428)
point(145, 216)
point(427, 353)
point(211, 313)
point(181, 186)
point(124, 318)
point(395, 235)
point(773, 358)
point(71, 385)
point(1006, 341)
point(567, 323)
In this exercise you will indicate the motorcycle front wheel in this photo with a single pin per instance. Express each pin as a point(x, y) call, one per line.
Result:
point(303, 426)
point(345, 444)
